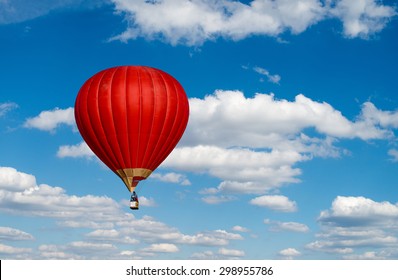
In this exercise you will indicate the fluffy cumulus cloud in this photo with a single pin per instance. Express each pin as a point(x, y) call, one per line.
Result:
point(355, 226)
point(362, 18)
point(75, 151)
point(50, 120)
point(194, 22)
point(289, 253)
point(275, 202)
point(113, 231)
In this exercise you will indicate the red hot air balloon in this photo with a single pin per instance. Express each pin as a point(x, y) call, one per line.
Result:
point(132, 117)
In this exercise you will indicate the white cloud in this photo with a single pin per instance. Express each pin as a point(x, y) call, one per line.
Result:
point(253, 143)
point(194, 22)
point(206, 255)
point(289, 253)
point(50, 120)
point(247, 171)
point(78, 246)
point(275, 202)
point(362, 18)
point(14, 181)
point(240, 229)
point(21, 195)
point(171, 177)
point(273, 118)
point(7, 233)
point(147, 202)
point(358, 223)
point(231, 253)
point(75, 151)
point(217, 199)
point(162, 248)
point(359, 210)
point(113, 229)
point(6, 107)
point(394, 154)
point(371, 255)
point(273, 78)
point(286, 226)
point(13, 251)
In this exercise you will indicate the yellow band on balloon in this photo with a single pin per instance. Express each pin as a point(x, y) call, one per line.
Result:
point(128, 175)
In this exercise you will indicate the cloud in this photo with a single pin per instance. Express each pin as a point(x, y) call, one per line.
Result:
point(289, 253)
point(231, 253)
point(253, 144)
point(21, 195)
point(75, 151)
point(19, 11)
point(12, 234)
point(162, 248)
point(362, 18)
point(12, 180)
point(217, 199)
point(50, 120)
point(240, 229)
point(275, 202)
point(286, 226)
point(356, 211)
point(147, 202)
point(273, 78)
point(15, 252)
point(113, 231)
point(220, 254)
point(171, 177)
point(194, 22)
point(247, 171)
point(7, 107)
point(235, 126)
point(111, 236)
point(358, 223)
point(394, 154)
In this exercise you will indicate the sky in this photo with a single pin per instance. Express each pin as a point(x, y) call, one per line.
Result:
point(290, 152)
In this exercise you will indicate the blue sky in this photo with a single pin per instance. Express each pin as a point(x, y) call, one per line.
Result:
point(290, 152)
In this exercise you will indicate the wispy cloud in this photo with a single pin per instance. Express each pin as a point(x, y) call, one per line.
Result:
point(7, 107)
point(273, 78)
point(7, 233)
point(19, 11)
point(286, 226)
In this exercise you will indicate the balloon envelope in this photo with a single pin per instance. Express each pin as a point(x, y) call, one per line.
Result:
point(132, 117)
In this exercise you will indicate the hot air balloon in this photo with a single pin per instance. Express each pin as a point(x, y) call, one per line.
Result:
point(132, 117)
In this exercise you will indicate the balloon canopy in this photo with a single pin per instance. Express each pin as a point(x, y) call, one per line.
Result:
point(132, 117)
